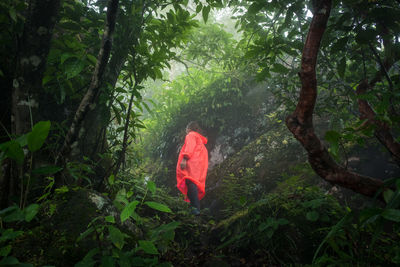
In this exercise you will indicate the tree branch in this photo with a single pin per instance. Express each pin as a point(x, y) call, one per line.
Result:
point(382, 131)
point(92, 92)
point(300, 121)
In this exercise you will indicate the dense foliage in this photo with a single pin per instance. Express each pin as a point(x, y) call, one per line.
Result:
point(95, 99)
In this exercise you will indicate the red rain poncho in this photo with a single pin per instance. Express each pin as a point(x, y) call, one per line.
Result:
point(196, 166)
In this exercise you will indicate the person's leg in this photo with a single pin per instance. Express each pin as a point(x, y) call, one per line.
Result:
point(193, 195)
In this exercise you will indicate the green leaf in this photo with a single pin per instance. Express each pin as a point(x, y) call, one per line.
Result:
point(107, 261)
point(151, 186)
point(4, 251)
point(73, 68)
point(14, 216)
point(158, 206)
point(110, 219)
point(205, 12)
point(111, 179)
point(369, 215)
point(67, 56)
point(88, 261)
point(47, 170)
point(9, 210)
point(14, 151)
point(254, 8)
point(199, 7)
point(31, 211)
point(128, 210)
point(391, 215)
point(85, 234)
point(312, 216)
point(13, 14)
point(92, 59)
point(387, 195)
point(9, 234)
point(62, 190)
point(38, 135)
point(148, 247)
point(116, 236)
point(9, 261)
point(333, 138)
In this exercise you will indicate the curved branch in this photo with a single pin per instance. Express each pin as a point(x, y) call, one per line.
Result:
point(300, 121)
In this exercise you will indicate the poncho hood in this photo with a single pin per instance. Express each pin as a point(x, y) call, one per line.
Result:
point(203, 138)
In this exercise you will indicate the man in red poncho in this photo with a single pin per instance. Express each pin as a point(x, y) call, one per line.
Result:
point(192, 166)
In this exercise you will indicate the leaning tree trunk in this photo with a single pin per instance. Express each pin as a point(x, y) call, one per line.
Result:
point(300, 122)
point(34, 46)
point(93, 91)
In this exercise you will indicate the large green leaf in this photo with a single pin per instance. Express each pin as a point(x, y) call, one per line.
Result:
point(151, 186)
point(13, 150)
point(9, 261)
point(333, 138)
point(9, 234)
point(148, 247)
point(88, 261)
point(391, 215)
point(116, 236)
point(158, 206)
point(107, 261)
point(199, 7)
point(47, 170)
point(205, 12)
point(31, 211)
point(4, 251)
point(128, 210)
point(73, 67)
point(38, 135)
point(312, 215)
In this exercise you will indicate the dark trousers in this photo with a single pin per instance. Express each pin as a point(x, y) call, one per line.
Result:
point(193, 194)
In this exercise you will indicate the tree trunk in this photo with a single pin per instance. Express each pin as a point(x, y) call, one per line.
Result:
point(34, 46)
point(300, 122)
point(93, 91)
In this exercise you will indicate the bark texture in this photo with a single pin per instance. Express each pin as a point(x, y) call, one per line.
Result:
point(31, 61)
point(93, 91)
point(23, 92)
point(300, 122)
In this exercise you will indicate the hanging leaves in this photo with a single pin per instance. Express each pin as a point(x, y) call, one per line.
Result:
point(205, 12)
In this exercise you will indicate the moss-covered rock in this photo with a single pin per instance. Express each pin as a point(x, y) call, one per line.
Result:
point(255, 171)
